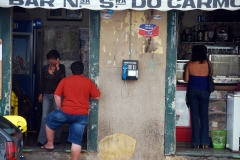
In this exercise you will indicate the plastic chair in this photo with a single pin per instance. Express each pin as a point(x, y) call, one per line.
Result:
point(18, 121)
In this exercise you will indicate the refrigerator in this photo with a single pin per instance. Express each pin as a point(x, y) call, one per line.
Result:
point(233, 121)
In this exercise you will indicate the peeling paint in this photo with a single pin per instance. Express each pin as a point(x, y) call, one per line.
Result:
point(107, 21)
point(121, 25)
point(93, 126)
point(114, 31)
point(126, 37)
point(104, 49)
point(116, 147)
point(151, 65)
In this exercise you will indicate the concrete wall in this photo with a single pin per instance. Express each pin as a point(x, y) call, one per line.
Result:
point(140, 115)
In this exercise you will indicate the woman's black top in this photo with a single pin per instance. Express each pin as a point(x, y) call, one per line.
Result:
point(49, 82)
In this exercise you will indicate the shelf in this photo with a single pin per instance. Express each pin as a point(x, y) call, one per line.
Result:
point(182, 61)
point(213, 42)
point(216, 99)
point(217, 112)
point(219, 22)
point(221, 62)
point(225, 55)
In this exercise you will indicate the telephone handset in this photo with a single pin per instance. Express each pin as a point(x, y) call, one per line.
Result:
point(124, 74)
point(129, 70)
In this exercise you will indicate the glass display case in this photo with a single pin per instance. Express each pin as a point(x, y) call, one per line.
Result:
point(183, 120)
point(181, 64)
point(226, 63)
point(182, 111)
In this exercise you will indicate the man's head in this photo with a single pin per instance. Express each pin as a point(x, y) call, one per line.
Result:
point(77, 67)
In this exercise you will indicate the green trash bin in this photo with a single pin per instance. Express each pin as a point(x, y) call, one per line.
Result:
point(218, 138)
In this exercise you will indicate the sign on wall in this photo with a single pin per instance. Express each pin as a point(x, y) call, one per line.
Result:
point(148, 30)
point(163, 5)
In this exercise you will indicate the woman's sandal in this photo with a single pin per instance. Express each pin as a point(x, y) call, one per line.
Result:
point(195, 146)
point(48, 149)
point(205, 146)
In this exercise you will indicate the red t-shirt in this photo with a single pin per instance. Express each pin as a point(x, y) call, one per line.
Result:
point(76, 91)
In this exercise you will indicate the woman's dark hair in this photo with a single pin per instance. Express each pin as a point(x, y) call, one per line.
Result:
point(77, 67)
point(199, 53)
point(53, 54)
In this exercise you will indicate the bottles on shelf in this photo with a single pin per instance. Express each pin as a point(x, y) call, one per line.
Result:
point(200, 34)
point(183, 36)
point(194, 35)
point(207, 33)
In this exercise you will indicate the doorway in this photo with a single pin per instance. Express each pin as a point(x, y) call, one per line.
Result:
point(69, 37)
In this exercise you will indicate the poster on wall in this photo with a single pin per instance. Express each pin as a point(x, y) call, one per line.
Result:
point(148, 30)
point(67, 42)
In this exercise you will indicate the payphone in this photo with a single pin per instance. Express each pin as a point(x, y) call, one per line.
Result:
point(129, 70)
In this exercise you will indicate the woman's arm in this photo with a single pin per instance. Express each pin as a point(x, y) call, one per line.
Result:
point(61, 73)
point(186, 73)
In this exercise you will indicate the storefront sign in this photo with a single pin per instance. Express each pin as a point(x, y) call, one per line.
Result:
point(148, 30)
point(162, 5)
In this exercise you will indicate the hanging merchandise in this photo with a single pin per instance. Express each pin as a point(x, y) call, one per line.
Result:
point(148, 30)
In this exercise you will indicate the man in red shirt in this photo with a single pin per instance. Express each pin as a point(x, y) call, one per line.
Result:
point(72, 99)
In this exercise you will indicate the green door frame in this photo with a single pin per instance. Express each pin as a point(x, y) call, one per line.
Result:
point(5, 35)
point(170, 84)
point(92, 137)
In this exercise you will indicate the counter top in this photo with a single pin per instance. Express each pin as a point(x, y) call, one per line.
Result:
point(218, 87)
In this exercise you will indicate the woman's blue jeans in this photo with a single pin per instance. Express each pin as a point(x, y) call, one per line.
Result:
point(47, 104)
point(199, 101)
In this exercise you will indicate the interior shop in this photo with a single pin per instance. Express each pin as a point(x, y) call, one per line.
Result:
point(219, 31)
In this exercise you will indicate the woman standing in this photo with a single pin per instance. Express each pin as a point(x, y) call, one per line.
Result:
point(196, 74)
point(52, 73)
